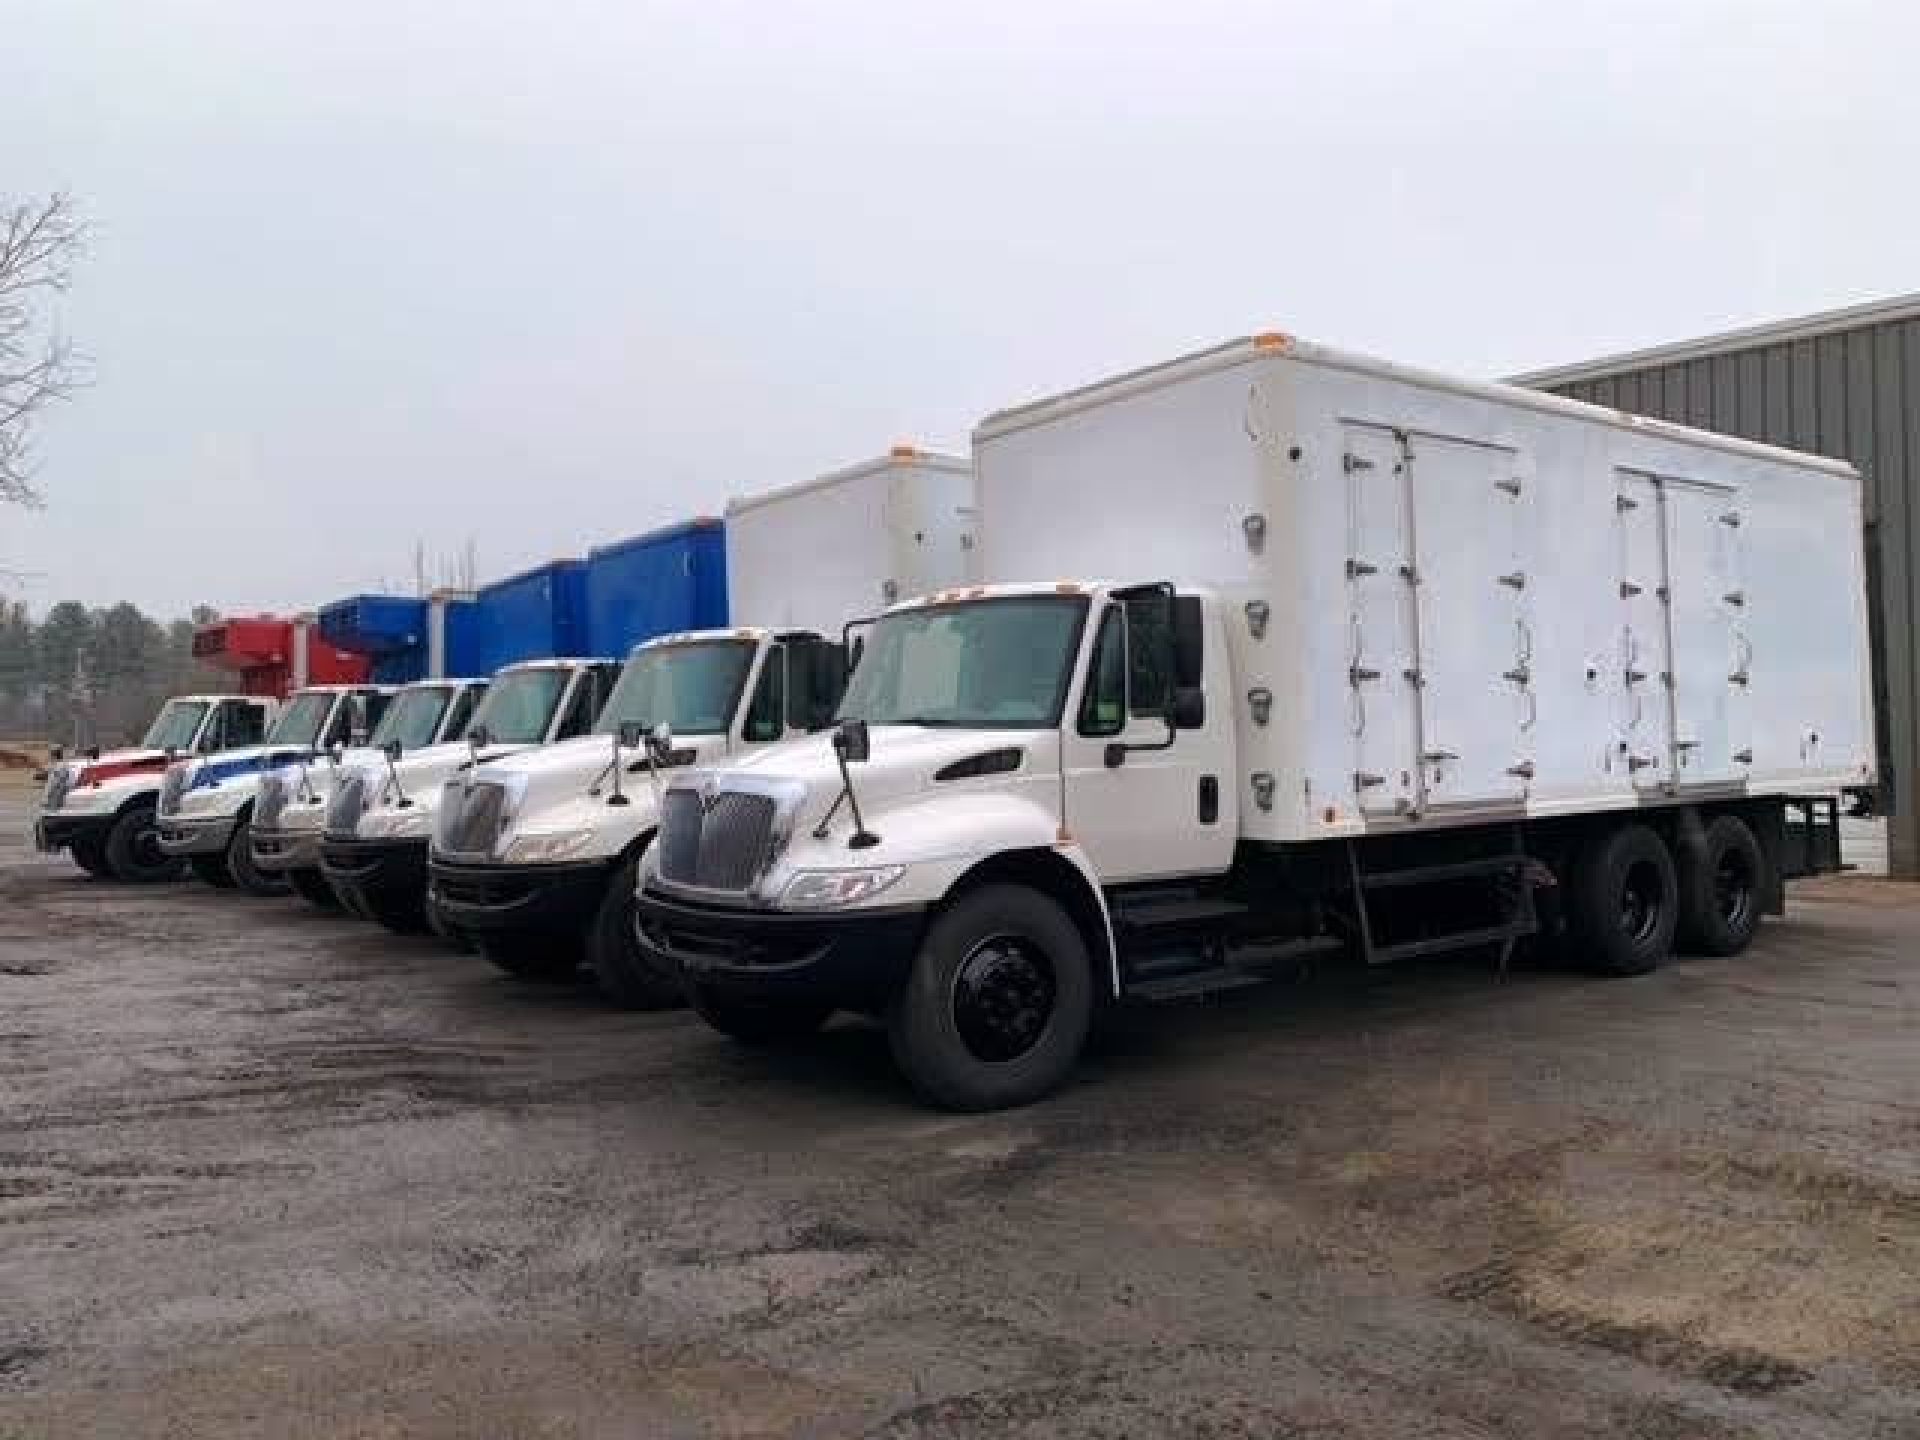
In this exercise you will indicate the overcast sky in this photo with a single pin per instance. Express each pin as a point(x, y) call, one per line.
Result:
point(545, 275)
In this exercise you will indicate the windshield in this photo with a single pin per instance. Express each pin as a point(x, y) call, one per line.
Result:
point(412, 718)
point(985, 664)
point(691, 688)
point(519, 707)
point(303, 719)
point(176, 725)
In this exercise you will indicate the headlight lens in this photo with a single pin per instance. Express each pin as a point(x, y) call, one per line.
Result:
point(544, 849)
point(829, 889)
point(391, 824)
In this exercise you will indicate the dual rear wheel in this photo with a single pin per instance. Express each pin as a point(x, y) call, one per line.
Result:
point(1631, 899)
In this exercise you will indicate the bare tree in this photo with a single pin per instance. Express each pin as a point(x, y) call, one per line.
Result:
point(39, 241)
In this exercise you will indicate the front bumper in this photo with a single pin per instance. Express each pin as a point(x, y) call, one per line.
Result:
point(495, 899)
point(196, 834)
point(853, 958)
point(58, 831)
point(278, 851)
point(375, 870)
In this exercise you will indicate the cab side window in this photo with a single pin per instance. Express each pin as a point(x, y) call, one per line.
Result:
point(1150, 653)
point(240, 723)
point(766, 716)
point(816, 675)
point(374, 707)
point(1103, 706)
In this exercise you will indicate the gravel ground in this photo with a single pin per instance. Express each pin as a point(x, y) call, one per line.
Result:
point(268, 1172)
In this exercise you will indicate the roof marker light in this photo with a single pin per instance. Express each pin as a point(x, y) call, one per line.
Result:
point(1272, 340)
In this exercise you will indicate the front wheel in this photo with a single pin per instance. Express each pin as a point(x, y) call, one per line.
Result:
point(997, 1006)
point(212, 870)
point(133, 850)
point(247, 875)
point(619, 965)
point(532, 957)
point(1622, 902)
point(89, 852)
point(312, 887)
point(403, 914)
point(756, 1024)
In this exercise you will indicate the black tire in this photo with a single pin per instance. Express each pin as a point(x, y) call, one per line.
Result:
point(1623, 902)
point(753, 1023)
point(312, 887)
point(89, 852)
point(212, 869)
point(443, 927)
point(620, 967)
point(1722, 884)
point(132, 850)
point(249, 877)
point(996, 1009)
point(533, 957)
point(403, 914)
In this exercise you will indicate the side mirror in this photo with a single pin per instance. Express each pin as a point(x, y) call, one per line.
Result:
point(58, 752)
point(852, 742)
point(660, 740)
point(1188, 710)
point(632, 734)
point(393, 748)
point(335, 751)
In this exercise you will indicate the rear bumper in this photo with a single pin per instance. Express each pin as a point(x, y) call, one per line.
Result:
point(853, 958)
point(57, 831)
point(375, 869)
point(278, 851)
point(196, 834)
point(496, 899)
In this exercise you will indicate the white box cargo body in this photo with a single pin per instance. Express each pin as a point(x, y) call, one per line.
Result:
point(810, 555)
point(1452, 602)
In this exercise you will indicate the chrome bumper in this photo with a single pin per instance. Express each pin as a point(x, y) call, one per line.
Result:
point(196, 834)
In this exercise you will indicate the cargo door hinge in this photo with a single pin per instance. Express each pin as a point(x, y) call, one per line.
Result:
point(1735, 598)
point(1257, 613)
point(1352, 463)
point(1360, 569)
point(1409, 574)
point(1637, 763)
point(1623, 504)
point(1516, 581)
point(1523, 771)
point(1519, 675)
point(1634, 677)
point(1260, 702)
point(1263, 785)
point(1739, 677)
point(1358, 675)
point(1363, 781)
point(1743, 757)
point(1512, 487)
point(1731, 519)
point(1628, 590)
point(1414, 678)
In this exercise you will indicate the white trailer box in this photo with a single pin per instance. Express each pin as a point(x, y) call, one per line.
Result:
point(1453, 600)
point(805, 557)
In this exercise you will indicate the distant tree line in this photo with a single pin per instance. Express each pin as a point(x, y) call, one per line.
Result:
point(83, 676)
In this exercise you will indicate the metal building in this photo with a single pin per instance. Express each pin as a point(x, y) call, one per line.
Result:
point(1844, 383)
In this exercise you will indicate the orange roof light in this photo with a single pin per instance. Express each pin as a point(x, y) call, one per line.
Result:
point(904, 452)
point(1272, 340)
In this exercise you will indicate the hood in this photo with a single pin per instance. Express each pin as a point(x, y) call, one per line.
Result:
point(112, 764)
point(554, 777)
point(424, 771)
point(233, 764)
point(906, 761)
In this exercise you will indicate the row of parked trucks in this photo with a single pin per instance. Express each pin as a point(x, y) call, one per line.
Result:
point(1180, 680)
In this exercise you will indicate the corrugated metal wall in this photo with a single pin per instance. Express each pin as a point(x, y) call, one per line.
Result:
point(1853, 393)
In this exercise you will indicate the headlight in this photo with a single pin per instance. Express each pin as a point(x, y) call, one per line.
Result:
point(543, 849)
point(826, 889)
point(396, 823)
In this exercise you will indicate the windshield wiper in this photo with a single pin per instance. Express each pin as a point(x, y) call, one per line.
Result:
point(930, 722)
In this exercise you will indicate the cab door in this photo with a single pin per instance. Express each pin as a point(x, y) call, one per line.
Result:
point(1145, 802)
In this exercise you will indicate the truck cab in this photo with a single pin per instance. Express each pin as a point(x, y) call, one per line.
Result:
point(535, 857)
point(289, 815)
point(206, 805)
point(380, 812)
point(100, 807)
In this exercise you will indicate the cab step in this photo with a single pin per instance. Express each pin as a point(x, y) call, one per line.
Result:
point(1165, 912)
point(1254, 963)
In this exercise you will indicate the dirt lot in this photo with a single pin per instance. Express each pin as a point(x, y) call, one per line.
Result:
point(264, 1172)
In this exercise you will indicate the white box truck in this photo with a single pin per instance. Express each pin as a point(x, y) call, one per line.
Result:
point(536, 856)
point(100, 808)
point(1299, 652)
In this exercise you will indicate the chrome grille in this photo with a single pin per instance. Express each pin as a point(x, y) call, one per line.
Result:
point(59, 786)
point(276, 788)
point(172, 786)
point(347, 802)
point(718, 842)
point(470, 819)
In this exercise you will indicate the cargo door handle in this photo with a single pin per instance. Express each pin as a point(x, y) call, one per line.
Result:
point(1359, 675)
point(1434, 757)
